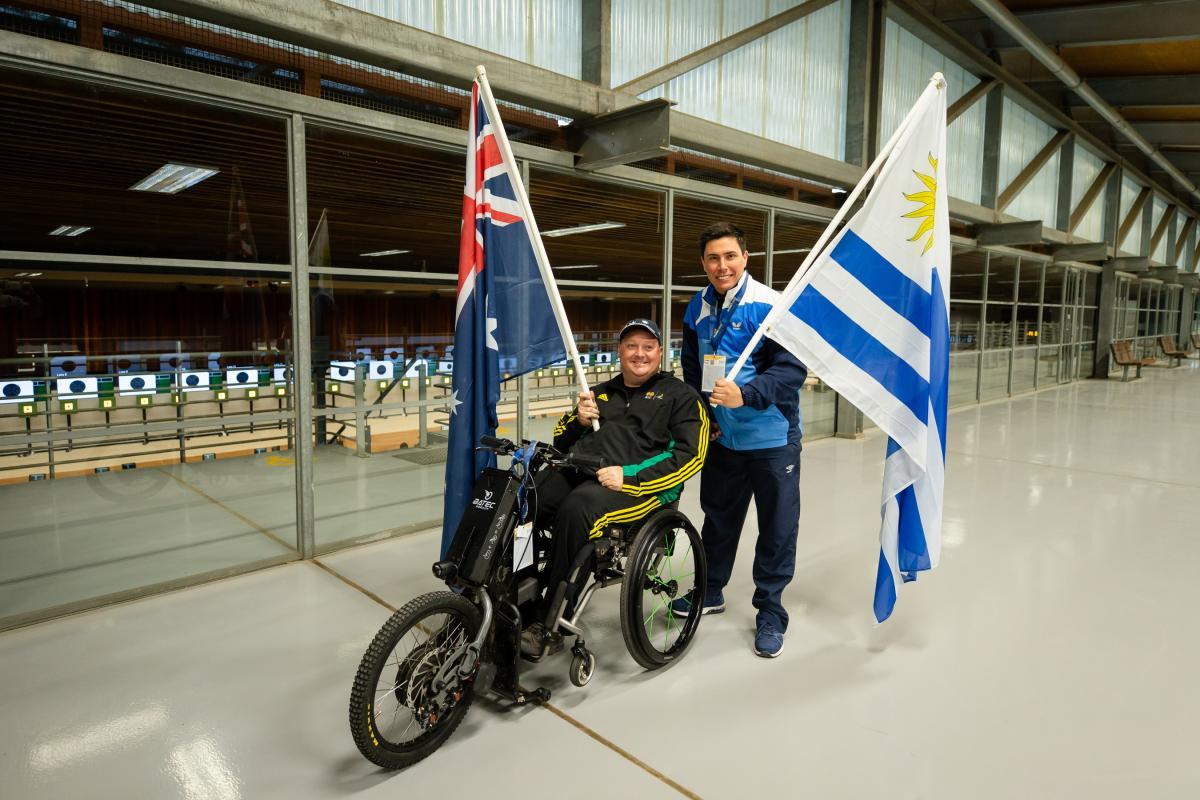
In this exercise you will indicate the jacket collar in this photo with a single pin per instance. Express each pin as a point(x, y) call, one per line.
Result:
point(732, 296)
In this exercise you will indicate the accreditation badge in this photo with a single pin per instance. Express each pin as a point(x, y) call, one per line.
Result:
point(714, 369)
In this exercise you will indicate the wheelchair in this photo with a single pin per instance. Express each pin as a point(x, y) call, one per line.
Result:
point(428, 662)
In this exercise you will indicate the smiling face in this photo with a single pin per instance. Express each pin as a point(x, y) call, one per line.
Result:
point(724, 262)
point(640, 355)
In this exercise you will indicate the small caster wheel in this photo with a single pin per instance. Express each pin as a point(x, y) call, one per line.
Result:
point(582, 667)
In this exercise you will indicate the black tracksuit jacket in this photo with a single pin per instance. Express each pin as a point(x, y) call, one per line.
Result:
point(658, 433)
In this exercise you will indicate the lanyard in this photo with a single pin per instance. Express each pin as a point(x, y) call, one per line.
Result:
point(718, 332)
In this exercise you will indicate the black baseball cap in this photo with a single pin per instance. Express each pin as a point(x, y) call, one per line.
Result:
point(648, 325)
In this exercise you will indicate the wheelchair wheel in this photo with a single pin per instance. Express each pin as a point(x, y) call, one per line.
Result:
point(407, 698)
point(665, 563)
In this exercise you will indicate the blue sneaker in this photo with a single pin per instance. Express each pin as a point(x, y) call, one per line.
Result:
point(682, 606)
point(768, 641)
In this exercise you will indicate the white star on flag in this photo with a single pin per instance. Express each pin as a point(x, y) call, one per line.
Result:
point(491, 330)
point(454, 403)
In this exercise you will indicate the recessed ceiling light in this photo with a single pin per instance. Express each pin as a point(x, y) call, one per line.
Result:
point(580, 266)
point(70, 230)
point(173, 178)
point(838, 190)
point(597, 226)
point(33, 274)
point(384, 253)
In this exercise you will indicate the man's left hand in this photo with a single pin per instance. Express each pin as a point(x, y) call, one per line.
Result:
point(726, 393)
point(611, 478)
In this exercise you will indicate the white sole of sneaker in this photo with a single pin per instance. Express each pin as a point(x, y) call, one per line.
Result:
point(761, 654)
point(705, 612)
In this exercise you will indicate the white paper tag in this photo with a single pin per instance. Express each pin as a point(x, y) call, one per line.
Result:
point(714, 368)
point(522, 546)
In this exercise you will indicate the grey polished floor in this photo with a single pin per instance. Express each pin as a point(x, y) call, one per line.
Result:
point(1053, 654)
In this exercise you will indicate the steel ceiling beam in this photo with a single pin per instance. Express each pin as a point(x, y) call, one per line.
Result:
point(1170, 134)
point(1031, 169)
point(1090, 196)
point(933, 31)
point(1161, 231)
point(1131, 217)
point(1003, 18)
point(970, 98)
point(1095, 24)
point(1181, 240)
point(1143, 90)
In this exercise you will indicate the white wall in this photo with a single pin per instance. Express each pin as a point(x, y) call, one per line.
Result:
point(789, 86)
point(1130, 189)
point(908, 63)
point(1022, 136)
point(1160, 208)
point(1087, 166)
point(545, 33)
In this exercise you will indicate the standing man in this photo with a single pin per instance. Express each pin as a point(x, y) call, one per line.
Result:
point(756, 432)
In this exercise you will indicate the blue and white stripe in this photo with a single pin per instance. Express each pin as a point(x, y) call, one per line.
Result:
point(871, 318)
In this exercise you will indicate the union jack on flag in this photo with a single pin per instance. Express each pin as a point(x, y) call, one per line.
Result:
point(503, 310)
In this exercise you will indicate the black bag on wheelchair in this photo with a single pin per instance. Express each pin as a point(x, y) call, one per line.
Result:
point(485, 529)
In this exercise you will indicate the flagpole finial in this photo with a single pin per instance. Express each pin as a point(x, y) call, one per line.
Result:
point(937, 80)
point(481, 72)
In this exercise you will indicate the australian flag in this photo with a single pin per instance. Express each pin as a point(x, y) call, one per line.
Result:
point(504, 309)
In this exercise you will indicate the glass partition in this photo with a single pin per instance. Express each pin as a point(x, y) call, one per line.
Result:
point(146, 422)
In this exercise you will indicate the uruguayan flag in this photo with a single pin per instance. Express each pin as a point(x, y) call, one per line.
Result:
point(134, 385)
point(871, 318)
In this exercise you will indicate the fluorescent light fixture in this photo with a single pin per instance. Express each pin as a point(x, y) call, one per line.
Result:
point(70, 230)
point(596, 226)
point(580, 266)
point(173, 178)
point(838, 190)
point(384, 253)
point(783, 252)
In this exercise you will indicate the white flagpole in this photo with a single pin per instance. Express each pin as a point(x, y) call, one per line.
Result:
point(535, 236)
point(799, 280)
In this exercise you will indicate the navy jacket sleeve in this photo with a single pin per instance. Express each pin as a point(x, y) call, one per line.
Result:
point(780, 376)
point(691, 357)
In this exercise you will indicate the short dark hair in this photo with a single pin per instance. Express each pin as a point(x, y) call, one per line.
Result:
point(719, 230)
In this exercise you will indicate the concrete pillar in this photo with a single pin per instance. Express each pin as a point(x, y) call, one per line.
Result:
point(597, 43)
point(992, 126)
point(865, 85)
point(1105, 319)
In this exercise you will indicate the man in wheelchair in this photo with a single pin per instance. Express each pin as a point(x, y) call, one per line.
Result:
point(653, 436)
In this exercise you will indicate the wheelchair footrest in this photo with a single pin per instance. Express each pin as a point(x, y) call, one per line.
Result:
point(527, 590)
point(607, 577)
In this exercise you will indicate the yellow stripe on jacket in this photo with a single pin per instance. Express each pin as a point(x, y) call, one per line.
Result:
point(680, 475)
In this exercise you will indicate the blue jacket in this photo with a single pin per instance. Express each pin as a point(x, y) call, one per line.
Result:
point(770, 379)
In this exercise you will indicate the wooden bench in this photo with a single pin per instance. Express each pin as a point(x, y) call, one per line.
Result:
point(1172, 350)
point(1122, 356)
